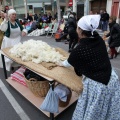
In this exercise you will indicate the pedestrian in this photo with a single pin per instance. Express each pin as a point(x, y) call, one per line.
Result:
point(13, 32)
point(49, 17)
point(44, 18)
point(101, 20)
point(91, 12)
point(36, 17)
point(64, 33)
point(105, 20)
point(114, 39)
point(100, 98)
point(29, 17)
point(56, 15)
point(72, 25)
point(1, 32)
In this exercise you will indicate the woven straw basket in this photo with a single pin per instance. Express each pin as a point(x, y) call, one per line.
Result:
point(38, 88)
point(64, 104)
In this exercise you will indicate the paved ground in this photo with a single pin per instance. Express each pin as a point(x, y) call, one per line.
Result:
point(15, 107)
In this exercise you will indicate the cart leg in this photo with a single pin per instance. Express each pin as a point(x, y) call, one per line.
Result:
point(4, 66)
point(52, 114)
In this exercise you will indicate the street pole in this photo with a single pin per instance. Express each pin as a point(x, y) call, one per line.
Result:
point(43, 4)
point(75, 6)
point(25, 5)
point(53, 9)
point(58, 10)
point(4, 2)
point(12, 4)
point(86, 7)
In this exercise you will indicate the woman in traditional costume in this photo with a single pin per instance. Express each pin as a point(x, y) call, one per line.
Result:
point(100, 98)
point(13, 32)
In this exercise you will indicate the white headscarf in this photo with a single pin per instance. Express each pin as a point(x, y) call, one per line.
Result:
point(11, 11)
point(71, 16)
point(89, 22)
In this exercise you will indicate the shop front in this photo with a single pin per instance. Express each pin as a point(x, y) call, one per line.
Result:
point(97, 5)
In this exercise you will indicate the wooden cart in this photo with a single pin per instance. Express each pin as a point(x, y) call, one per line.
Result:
point(73, 83)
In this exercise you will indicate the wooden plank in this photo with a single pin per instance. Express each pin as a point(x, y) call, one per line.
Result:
point(63, 75)
point(37, 101)
point(48, 78)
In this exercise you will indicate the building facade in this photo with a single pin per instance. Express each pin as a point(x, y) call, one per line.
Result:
point(97, 5)
point(115, 9)
point(35, 6)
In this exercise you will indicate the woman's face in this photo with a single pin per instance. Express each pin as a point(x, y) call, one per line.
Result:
point(79, 31)
point(13, 17)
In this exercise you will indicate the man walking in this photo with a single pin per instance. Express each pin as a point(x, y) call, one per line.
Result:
point(105, 20)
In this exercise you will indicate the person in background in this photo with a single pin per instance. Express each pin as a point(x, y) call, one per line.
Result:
point(13, 32)
point(1, 32)
point(114, 39)
point(100, 98)
point(91, 12)
point(56, 15)
point(21, 22)
point(64, 33)
point(53, 21)
point(39, 23)
point(49, 17)
point(28, 26)
point(29, 17)
point(72, 25)
point(44, 18)
point(36, 17)
point(101, 20)
point(105, 20)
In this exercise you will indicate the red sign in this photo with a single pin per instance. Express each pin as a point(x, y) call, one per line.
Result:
point(70, 3)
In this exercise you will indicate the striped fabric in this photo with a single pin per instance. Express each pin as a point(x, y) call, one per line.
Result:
point(19, 76)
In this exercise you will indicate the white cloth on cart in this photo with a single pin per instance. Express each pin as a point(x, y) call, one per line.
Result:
point(51, 102)
point(62, 92)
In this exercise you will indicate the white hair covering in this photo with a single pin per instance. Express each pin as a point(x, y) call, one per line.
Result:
point(89, 22)
point(11, 11)
point(71, 15)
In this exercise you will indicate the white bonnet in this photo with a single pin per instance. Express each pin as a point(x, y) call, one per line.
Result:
point(11, 11)
point(89, 22)
point(71, 15)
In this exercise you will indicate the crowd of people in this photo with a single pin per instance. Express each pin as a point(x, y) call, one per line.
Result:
point(101, 86)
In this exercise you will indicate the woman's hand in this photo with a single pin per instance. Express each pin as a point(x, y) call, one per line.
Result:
point(23, 33)
point(59, 63)
point(5, 16)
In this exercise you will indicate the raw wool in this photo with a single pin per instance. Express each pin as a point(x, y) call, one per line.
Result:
point(37, 32)
point(36, 51)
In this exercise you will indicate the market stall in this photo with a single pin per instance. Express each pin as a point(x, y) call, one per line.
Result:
point(65, 76)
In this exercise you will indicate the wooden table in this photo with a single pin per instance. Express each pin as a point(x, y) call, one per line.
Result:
point(25, 92)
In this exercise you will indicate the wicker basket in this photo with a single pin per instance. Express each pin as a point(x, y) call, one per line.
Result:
point(64, 104)
point(38, 88)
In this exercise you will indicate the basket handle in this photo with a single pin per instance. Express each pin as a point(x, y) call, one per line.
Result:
point(33, 79)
